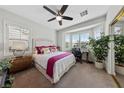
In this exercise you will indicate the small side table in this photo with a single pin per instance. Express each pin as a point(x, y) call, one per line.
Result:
point(87, 57)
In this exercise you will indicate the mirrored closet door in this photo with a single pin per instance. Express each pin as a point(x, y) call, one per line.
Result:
point(117, 27)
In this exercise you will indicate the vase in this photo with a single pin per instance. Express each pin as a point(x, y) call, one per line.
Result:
point(99, 65)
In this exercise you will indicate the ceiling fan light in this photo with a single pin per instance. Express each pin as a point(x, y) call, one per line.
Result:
point(58, 18)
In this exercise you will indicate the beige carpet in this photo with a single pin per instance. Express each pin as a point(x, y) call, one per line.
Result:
point(120, 79)
point(79, 76)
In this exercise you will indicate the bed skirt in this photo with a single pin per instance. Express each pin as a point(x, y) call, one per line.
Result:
point(52, 80)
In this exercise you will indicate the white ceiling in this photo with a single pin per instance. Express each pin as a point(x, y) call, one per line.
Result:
point(38, 14)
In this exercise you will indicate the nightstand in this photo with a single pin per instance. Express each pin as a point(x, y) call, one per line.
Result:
point(21, 63)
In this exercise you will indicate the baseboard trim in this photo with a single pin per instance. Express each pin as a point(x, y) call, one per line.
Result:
point(116, 81)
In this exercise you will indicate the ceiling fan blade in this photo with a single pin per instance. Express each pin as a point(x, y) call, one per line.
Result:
point(60, 22)
point(67, 18)
point(63, 9)
point(48, 9)
point(51, 19)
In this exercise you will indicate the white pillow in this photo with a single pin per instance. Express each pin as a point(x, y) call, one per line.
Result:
point(46, 50)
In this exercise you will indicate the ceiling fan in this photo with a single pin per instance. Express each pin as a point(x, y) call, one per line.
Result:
point(59, 15)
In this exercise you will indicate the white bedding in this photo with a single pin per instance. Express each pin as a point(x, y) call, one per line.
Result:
point(60, 67)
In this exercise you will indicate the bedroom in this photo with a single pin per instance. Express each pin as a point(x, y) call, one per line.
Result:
point(25, 31)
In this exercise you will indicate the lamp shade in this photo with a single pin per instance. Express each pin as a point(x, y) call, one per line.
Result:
point(19, 46)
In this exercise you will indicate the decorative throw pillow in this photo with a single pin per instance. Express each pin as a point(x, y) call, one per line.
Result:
point(53, 49)
point(46, 50)
point(38, 50)
point(42, 51)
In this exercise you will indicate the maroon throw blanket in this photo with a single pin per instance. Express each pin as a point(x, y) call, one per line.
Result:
point(52, 61)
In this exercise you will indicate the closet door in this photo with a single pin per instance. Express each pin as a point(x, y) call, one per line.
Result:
point(117, 29)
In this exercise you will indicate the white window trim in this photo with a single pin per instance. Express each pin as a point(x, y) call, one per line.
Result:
point(6, 39)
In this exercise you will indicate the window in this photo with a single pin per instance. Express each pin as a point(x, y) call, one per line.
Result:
point(18, 34)
point(84, 38)
point(81, 38)
point(98, 31)
point(67, 41)
point(75, 40)
point(117, 30)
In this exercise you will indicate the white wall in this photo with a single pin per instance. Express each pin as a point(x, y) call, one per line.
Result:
point(37, 30)
point(112, 12)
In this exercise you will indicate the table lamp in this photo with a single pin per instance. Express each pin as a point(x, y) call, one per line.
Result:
point(18, 49)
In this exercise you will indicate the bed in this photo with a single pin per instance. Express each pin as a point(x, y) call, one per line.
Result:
point(52, 65)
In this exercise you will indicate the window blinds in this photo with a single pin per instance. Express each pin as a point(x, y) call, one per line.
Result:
point(18, 34)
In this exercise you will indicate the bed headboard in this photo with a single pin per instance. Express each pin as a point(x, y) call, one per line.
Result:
point(41, 42)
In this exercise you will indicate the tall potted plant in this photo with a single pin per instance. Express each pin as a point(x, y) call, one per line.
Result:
point(119, 53)
point(100, 50)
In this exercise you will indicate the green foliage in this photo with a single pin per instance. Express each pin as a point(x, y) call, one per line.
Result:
point(119, 48)
point(100, 47)
point(4, 64)
point(8, 82)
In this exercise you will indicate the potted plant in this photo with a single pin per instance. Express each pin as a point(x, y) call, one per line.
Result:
point(4, 64)
point(8, 82)
point(119, 53)
point(100, 50)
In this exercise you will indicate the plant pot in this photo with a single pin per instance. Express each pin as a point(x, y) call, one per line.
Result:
point(119, 69)
point(99, 65)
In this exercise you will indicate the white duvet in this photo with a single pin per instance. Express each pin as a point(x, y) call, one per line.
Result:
point(60, 67)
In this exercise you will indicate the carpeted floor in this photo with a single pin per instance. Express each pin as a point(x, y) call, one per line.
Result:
point(120, 79)
point(79, 76)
